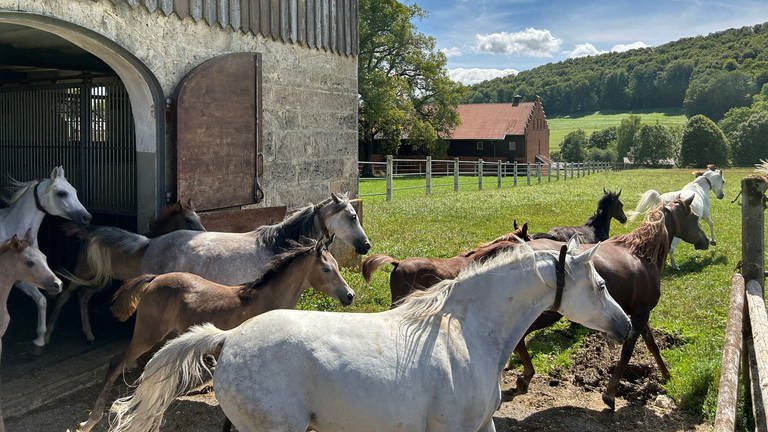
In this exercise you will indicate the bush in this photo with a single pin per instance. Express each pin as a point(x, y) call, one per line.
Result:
point(652, 144)
point(702, 143)
point(750, 141)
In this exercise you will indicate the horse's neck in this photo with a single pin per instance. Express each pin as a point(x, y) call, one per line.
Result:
point(600, 223)
point(282, 291)
point(21, 216)
point(499, 314)
point(6, 283)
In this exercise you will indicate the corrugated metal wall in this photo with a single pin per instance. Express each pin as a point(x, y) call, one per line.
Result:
point(42, 126)
point(322, 24)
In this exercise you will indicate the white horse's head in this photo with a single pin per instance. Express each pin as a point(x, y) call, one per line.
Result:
point(716, 181)
point(56, 196)
point(585, 297)
point(25, 263)
point(341, 219)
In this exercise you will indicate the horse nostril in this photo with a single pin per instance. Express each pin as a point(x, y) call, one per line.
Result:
point(350, 296)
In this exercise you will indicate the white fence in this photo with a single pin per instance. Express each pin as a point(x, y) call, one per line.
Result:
point(473, 173)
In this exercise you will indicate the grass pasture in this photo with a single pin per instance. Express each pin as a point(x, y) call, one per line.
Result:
point(694, 299)
point(559, 127)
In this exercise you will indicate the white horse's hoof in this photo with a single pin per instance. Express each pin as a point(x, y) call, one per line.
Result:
point(713, 243)
point(39, 342)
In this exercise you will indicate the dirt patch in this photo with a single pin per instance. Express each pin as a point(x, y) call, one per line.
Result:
point(563, 400)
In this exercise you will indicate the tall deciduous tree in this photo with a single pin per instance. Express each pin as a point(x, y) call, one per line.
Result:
point(652, 144)
point(572, 148)
point(624, 135)
point(750, 141)
point(402, 80)
point(702, 143)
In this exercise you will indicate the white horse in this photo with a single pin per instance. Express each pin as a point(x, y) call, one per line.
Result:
point(432, 364)
point(27, 207)
point(21, 261)
point(705, 181)
point(226, 258)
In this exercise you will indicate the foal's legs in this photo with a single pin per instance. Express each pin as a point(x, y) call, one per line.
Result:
point(84, 298)
point(42, 309)
point(672, 247)
point(650, 343)
point(638, 324)
point(546, 319)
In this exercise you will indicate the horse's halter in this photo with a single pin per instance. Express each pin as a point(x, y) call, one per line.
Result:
point(709, 183)
point(560, 272)
point(38, 204)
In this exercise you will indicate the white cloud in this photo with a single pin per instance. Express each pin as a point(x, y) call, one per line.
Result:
point(583, 50)
point(627, 47)
point(475, 75)
point(451, 52)
point(534, 42)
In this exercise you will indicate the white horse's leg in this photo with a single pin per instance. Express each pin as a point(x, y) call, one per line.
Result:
point(488, 427)
point(672, 262)
point(708, 218)
point(42, 309)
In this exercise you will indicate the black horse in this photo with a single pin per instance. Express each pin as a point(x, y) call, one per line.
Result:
point(598, 225)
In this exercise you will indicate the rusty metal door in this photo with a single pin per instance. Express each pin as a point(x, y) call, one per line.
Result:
point(218, 145)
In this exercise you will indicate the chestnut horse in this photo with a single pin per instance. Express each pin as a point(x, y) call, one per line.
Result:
point(421, 273)
point(176, 216)
point(631, 266)
point(598, 226)
point(173, 302)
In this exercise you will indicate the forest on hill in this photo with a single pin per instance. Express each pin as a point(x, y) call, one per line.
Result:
point(703, 75)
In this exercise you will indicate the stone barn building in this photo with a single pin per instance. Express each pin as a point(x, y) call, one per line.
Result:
point(245, 105)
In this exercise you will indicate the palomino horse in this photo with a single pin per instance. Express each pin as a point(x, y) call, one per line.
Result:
point(631, 266)
point(27, 206)
point(173, 302)
point(231, 258)
point(289, 370)
point(176, 216)
point(597, 228)
point(705, 181)
point(21, 261)
point(421, 273)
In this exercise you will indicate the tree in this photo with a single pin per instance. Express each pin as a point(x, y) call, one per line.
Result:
point(572, 148)
point(603, 138)
point(702, 143)
point(652, 144)
point(750, 141)
point(624, 135)
point(714, 93)
point(402, 80)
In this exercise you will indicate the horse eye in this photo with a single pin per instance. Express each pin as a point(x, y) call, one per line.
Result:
point(353, 216)
point(326, 269)
point(61, 194)
point(29, 264)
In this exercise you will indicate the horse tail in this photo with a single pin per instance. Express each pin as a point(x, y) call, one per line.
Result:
point(174, 370)
point(126, 299)
point(101, 243)
point(650, 199)
point(373, 262)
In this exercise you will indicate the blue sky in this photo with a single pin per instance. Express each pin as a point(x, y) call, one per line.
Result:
point(488, 38)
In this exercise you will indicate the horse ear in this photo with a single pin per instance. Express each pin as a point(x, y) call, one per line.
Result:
point(618, 194)
point(336, 197)
point(588, 254)
point(605, 192)
point(15, 243)
point(573, 243)
point(689, 201)
point(190, 204)
point(515, 226)
point(28, 236)
point(525, 229)
point(330, 240)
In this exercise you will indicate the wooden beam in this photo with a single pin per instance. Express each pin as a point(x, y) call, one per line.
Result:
point(759, 324)
point(752, 221)
point(727, 394)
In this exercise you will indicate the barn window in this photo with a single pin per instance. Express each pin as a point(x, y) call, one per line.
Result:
point(479, 146)
point(512, 146)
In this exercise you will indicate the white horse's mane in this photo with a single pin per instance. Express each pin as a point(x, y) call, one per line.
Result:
point(421, 305)
point(17, 189)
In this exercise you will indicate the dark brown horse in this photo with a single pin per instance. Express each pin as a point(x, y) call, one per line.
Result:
point(173, 302)
point(421, 273)
point(631, 266)
point(176, 216)
point(598, 226)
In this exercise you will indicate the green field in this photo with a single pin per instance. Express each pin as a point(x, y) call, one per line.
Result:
point(559, 127)
point(694, 299)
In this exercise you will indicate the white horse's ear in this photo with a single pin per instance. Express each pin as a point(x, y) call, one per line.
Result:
point(336, 197)
point(28, 236)
point(587, 255)
point(573, 243)
point(57, 172)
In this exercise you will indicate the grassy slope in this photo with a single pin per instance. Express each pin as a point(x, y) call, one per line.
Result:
point(694, 299)
point(559, 127)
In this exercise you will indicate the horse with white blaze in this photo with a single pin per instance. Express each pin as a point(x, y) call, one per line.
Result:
point(431, 364)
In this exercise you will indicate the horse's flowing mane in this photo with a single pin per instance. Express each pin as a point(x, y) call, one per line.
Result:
point(421, 305)
point(649, 240)
point(17, 189)
point(299, 224)
point(278, 264)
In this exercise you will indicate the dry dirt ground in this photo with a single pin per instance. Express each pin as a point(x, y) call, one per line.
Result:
point(564, 400)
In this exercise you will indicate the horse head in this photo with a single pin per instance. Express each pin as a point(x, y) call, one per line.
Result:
point(585, 298)
point(56, 196)
point(28, 264)
point(324, 274)
point(714, 177)
point(339, 217)
point(610, 203)
point(683, 223)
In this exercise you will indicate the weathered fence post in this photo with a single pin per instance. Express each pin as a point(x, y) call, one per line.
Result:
point(514, 173)
point(752, 240)
point(727, 394)
point(758, 321)
point(538, 172)
point(528, 173)
point(480, 174)
point(549, 172)
point(455, 174)
point(557, 164)
point(498, 173)
point(429, 175)
point(389, 177)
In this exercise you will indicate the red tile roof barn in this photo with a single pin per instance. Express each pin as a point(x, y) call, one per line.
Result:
point(492, 121)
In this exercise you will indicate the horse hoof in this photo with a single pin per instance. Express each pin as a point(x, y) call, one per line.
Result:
point(610, 401)
point(713, 243)
point(522, 385)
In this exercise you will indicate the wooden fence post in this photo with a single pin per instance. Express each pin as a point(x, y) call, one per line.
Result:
point(752, 240)
point(514, 173)
point(528, 173)
point(558, 170)
point(480, 174)
point(538, 172)
point(549, 172)
point(429, 175)
point(389, 177)
point(758, 321)
point(455, 174)
point(727, 394)
point(498, 173)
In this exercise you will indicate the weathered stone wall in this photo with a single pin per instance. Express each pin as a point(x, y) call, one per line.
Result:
point(309, 96)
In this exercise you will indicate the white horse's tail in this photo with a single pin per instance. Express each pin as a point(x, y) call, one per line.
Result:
point(174, 370)
point(650, 199)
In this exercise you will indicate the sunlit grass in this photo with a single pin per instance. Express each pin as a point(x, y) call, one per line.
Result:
point(693, 302)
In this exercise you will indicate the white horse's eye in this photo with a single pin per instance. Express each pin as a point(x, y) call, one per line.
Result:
point(62, 194)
